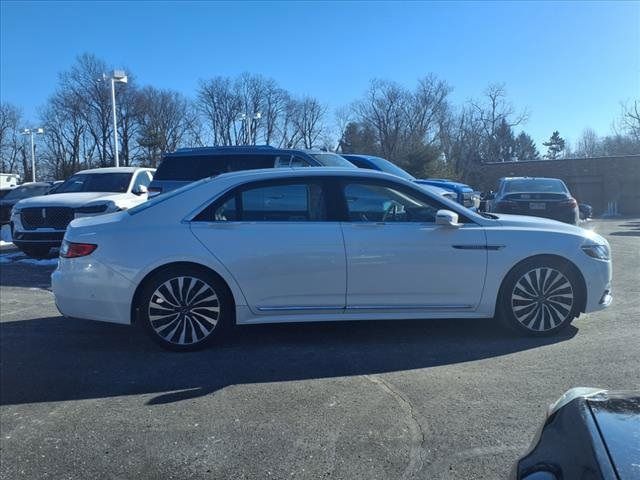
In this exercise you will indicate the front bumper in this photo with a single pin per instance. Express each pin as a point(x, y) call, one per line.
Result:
point(598, 275)
point(87, 288)
point(48, 238)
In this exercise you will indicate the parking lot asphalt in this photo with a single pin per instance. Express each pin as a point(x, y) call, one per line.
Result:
point(445, 399)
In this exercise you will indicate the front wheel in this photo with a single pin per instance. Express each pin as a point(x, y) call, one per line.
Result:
point(184, 308)
point(540, 297)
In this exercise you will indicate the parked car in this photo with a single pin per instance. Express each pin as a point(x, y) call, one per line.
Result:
point(588, 433)
point(187, 165)
point(38, 223)
point(585, 210)
point(8, 181)
point(318, 244)
point(536, 196)
point(462, 193)
point(26, 190)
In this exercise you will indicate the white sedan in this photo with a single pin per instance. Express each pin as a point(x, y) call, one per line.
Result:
point(322, 244)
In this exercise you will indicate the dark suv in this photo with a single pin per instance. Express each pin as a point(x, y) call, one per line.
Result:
point(535, 196)
point(187, 165)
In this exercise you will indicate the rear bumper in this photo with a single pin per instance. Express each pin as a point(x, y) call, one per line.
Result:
point(86, 288)
point(571, 217)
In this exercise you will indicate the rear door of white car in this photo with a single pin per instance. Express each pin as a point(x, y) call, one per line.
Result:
point(398, 259)
point(276, 239)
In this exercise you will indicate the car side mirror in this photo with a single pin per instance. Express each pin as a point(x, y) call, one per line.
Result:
point(447, 218)
point(140, 190)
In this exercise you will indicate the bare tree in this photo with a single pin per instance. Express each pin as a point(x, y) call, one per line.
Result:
point(588, 145)
point(10, 141)
point(164, 122)
point(630, 119)
point(221, 109)
point(307, 117)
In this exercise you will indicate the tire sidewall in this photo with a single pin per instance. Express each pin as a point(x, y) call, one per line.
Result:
point(505, 310)
point(151, 285)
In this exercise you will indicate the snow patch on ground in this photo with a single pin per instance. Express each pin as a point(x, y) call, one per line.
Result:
point(44, 262)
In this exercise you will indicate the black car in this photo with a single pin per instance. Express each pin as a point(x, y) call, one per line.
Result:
point(27, 190)
point(187, 165)
point(535, 196)
point(586, 211)
point(588, 433)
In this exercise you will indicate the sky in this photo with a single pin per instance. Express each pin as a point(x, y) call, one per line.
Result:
point(569, 64)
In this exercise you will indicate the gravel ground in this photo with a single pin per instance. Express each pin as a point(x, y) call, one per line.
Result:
point(372, 400)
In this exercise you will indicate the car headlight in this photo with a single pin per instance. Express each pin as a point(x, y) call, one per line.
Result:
point(601, 252)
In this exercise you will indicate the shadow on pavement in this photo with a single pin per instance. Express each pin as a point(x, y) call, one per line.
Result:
point(57, 359)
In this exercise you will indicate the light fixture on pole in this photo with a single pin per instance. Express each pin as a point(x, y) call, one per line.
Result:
point(31, 132)
point(120, 77)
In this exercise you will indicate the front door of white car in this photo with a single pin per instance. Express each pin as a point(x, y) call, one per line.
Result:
point(398, 259)
point(275, 240)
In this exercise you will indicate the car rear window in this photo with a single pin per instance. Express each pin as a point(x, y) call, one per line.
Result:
point(551, 185)
point(201, 166)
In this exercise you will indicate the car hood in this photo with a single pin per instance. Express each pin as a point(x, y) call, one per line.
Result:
point(538, 223)
point(72, 200)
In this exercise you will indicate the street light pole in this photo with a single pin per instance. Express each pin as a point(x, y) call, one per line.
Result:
point(121, 77)
point(30, 132)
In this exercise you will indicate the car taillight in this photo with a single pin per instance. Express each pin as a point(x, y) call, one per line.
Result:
point(74, 250)
point(570, 202)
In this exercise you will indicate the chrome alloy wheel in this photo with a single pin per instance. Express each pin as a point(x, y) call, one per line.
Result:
point(184, 310)
point(542, 299)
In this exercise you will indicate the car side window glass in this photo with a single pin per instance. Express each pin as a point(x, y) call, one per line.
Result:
point(297, 162)
point(142, 179)
point(383, 203)
point(290, 202)
point(250, 162)
point(226, 212)
point(282, 161)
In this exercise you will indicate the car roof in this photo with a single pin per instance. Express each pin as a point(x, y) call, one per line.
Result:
point(115, 170)
point(268, 173)
point(530, 178)
point(233, 149)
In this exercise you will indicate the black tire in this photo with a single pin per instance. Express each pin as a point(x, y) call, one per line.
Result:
point(540, 297)
point(187, 321)
point(35, 251)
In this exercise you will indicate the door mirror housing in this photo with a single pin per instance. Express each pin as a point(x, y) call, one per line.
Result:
point(447, 218)
point(140, 190)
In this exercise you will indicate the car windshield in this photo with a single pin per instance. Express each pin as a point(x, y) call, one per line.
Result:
point(332, 160)
point(550, 185)
point(97, 182)
point(388, 167)
point(26, 191)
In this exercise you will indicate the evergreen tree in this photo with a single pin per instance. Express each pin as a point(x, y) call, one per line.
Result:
point(555, 145)
point(525, 148)
point(358, 138)
point(504, 143)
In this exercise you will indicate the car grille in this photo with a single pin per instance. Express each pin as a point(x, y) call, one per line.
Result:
point(47, 217)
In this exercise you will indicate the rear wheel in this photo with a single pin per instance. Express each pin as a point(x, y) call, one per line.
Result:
point(35, 251)
point(540, 297)
point(184, 308)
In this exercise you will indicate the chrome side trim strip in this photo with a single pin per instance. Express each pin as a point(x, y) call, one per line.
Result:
point(478, 247)
point(305, 308)
point(410, 307)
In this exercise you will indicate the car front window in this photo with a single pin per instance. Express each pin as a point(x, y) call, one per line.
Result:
point(96, 182)
point(26, 192)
